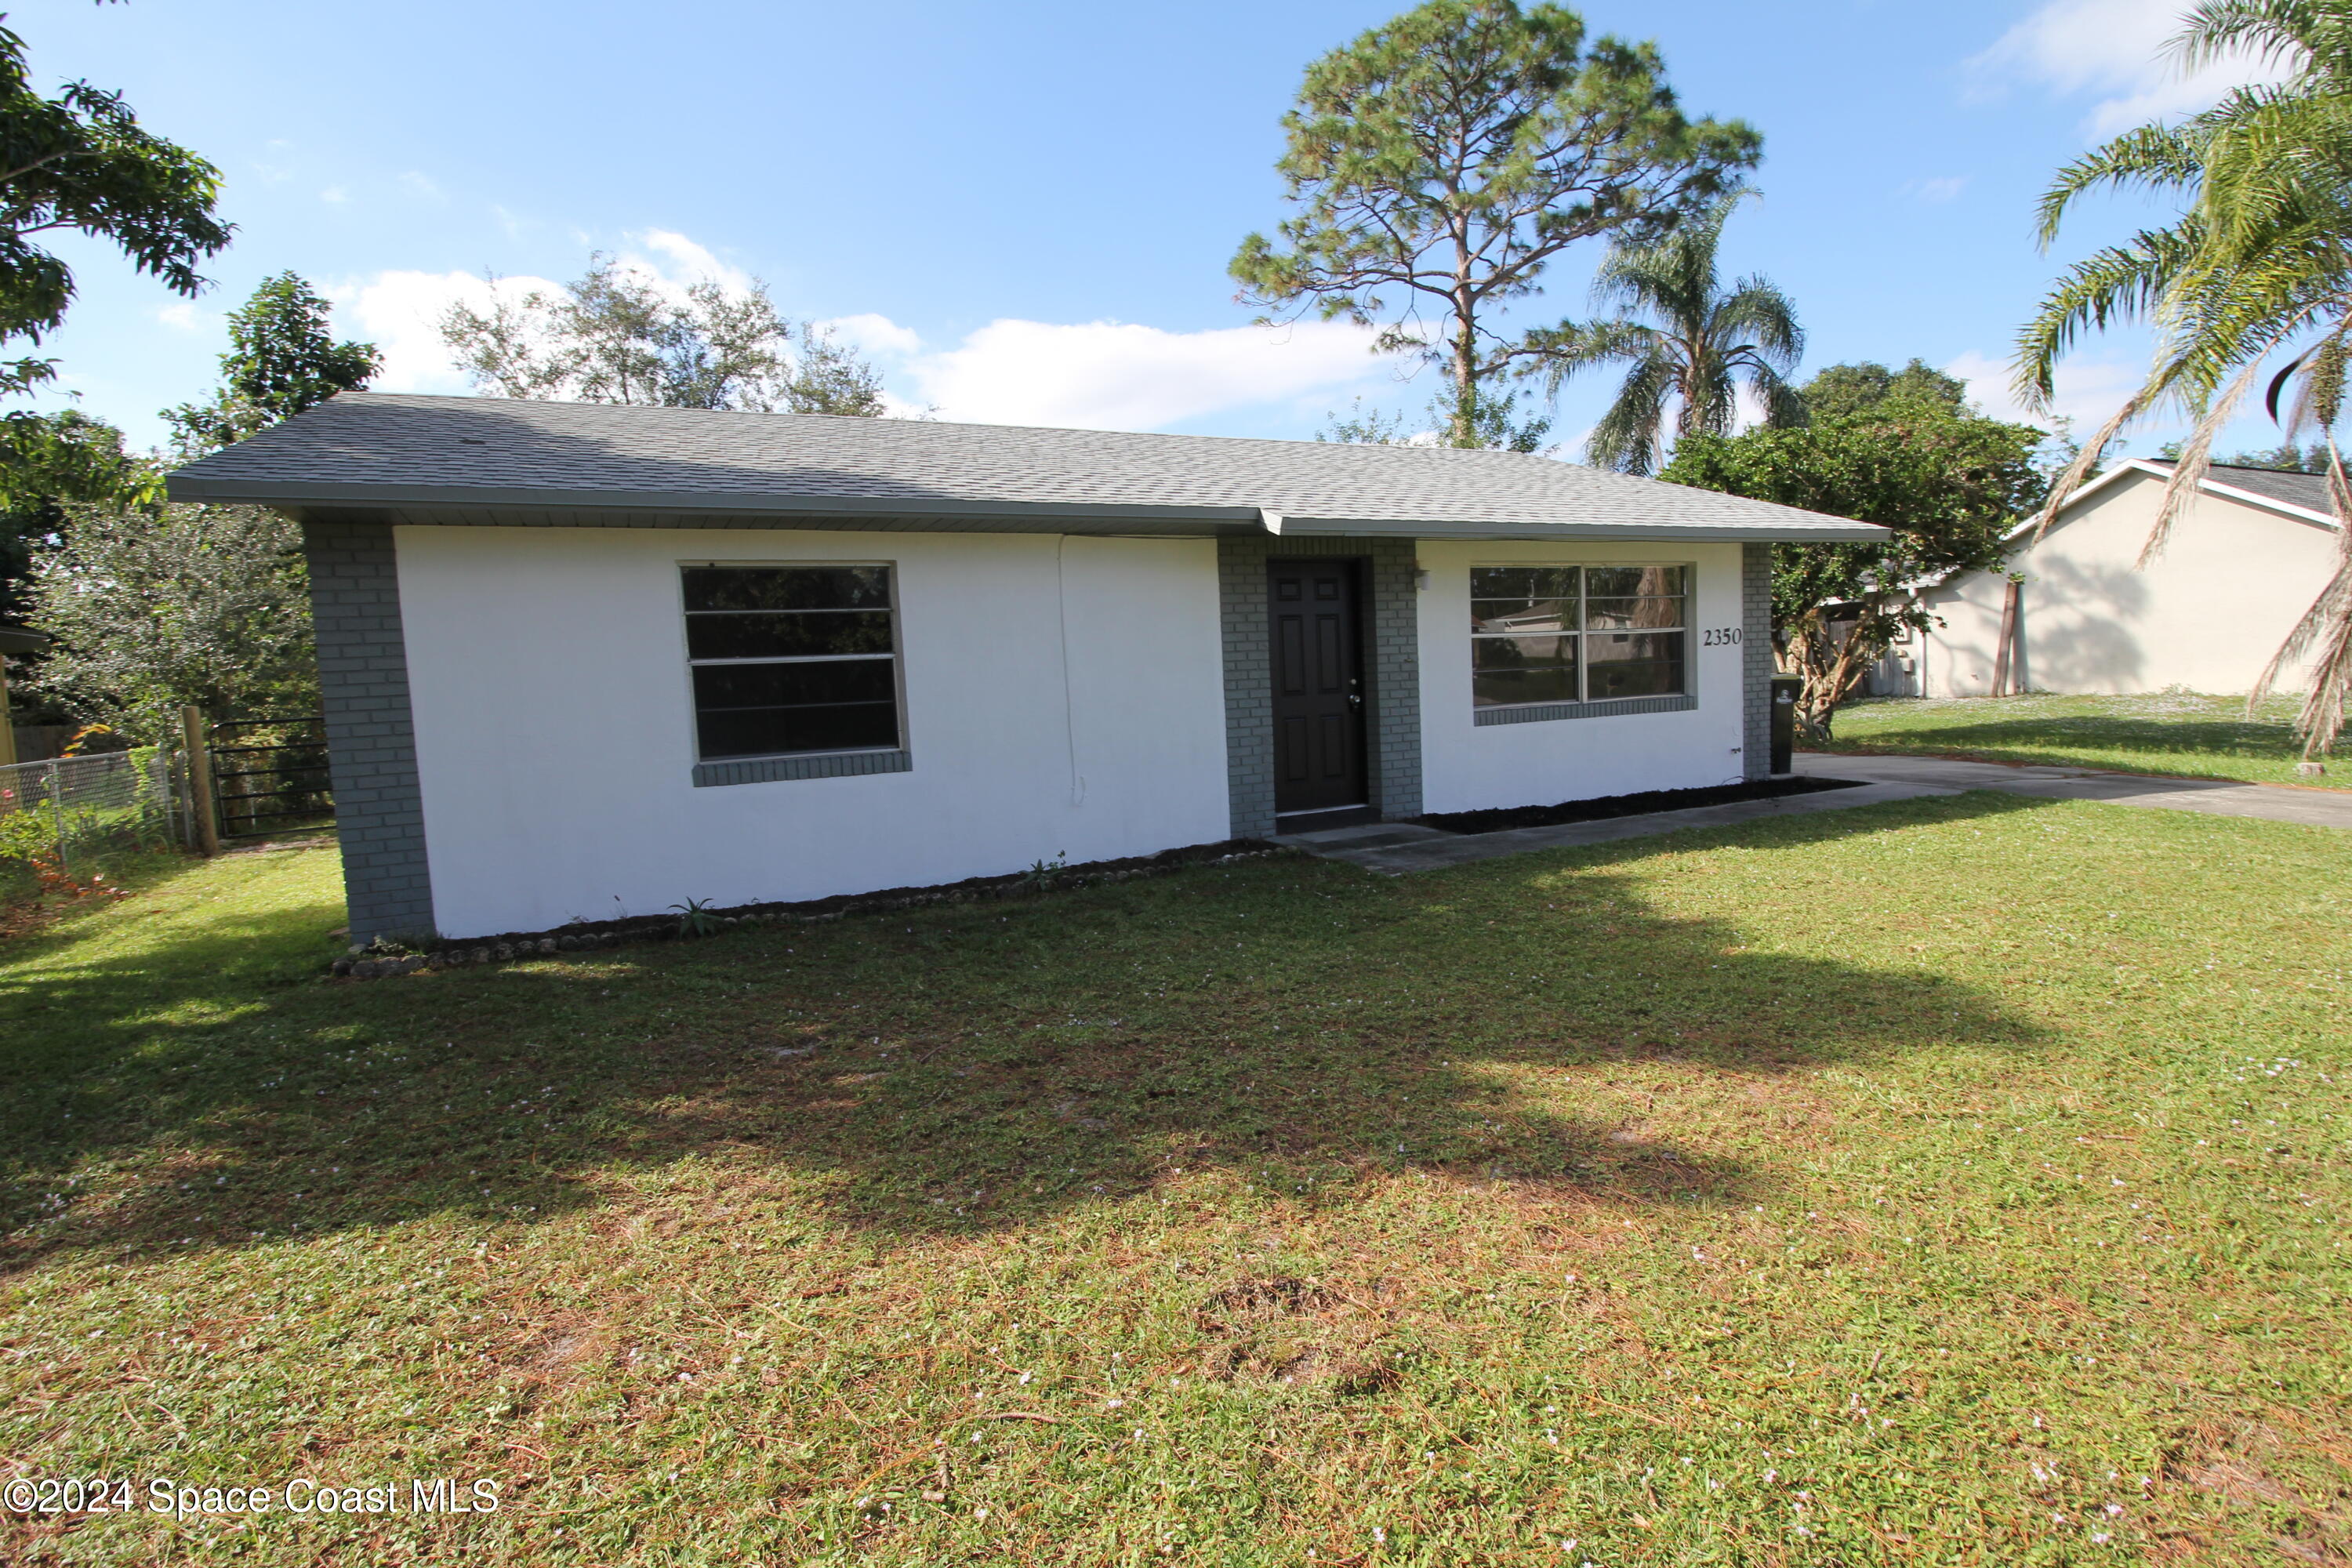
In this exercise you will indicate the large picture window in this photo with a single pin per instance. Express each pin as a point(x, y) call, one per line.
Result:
point(792, 659)
point(1578, 633)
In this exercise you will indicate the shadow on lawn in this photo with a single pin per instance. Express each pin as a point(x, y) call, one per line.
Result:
point(952, 1070)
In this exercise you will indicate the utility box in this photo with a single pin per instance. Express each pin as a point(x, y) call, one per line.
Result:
point(1785, 689)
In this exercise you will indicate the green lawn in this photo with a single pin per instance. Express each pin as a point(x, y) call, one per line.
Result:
point(2164, 732)
point(1960, 1181)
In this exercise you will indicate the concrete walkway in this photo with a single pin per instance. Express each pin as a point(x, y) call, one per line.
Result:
point(1396, 847)
point(2221, 797)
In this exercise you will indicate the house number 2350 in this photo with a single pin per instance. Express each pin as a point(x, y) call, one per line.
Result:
point(1719, 636)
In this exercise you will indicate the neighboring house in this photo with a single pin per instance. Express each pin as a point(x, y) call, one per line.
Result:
point(13, 640)
point(582, 660)
point(2244, 561)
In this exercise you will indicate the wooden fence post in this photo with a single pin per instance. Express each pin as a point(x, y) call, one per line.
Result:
point(200, 781)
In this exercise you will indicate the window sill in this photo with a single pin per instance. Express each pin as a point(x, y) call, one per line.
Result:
point(804, 765)
point(1537, 712)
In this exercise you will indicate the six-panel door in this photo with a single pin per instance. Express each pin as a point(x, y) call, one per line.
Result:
point(1319, 687)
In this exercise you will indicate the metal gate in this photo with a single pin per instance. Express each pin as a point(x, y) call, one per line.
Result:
point(269, 775)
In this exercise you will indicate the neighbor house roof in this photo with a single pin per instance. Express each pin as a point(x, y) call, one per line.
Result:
point(2305, 493)
point(497, 460)
point(2302, 496)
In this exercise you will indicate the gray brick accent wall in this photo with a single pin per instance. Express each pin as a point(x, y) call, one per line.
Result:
point(371, 740)
point(1392, 673)
point(1756, 660)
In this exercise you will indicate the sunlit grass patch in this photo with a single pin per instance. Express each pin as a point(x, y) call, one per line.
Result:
point(2160, 732)
point(1955, 1181)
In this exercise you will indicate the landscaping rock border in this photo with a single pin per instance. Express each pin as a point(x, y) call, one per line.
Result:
point(385, 960)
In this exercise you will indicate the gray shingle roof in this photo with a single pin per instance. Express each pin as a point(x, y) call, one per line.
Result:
point(2307, 490)
point(465, 459)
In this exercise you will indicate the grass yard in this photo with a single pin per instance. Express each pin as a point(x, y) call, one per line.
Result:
point(2163, 732)
point(1960, 1181)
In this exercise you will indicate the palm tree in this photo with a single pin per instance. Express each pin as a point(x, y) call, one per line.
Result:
point(1685, 340)
point(2259, 264)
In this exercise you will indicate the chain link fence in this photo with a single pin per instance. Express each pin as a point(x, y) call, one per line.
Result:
point(54, 813)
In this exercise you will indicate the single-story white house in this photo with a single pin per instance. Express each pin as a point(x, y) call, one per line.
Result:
point(2243, 562)
point(583, 660)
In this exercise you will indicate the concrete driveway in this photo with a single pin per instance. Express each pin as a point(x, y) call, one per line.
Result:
point(2221, 797)
point(1397, 847)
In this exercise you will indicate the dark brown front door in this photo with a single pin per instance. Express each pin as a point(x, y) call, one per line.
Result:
point(1318, 687)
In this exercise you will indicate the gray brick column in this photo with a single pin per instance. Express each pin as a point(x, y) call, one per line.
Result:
point(1392, 673)
point(371, 740)
point(1756, 660)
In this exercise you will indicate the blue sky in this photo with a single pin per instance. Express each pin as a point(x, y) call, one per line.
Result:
point(1024, 210)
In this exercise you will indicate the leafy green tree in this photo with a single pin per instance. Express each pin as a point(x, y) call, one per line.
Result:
point(2259, 264)
point(1953, 486)
point(1494, 424)
point(1683, 338)
point(2285, 457)
point(1838, 391)
point(81, 162)
point(613, 336)
point(48, 463)
point(156, 610)
point(282, 359)
point(1363, 426)
point(1442, 159)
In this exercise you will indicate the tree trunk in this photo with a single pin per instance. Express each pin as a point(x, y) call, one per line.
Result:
point(1465, 376)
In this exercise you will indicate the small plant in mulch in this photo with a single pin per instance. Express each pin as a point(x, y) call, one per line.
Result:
point(695, 918)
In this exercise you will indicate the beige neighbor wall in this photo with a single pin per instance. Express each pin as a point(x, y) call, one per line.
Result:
point(2206, 615)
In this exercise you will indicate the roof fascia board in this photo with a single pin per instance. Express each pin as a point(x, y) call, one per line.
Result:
point(978, 516)
point(1829, 530)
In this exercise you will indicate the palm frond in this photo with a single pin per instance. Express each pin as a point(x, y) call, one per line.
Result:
point(2195, 460)
point(2276, 32)
point(2063, 488)
point(1626, 439)
point(2153, 157)
point(2116, 286)
point(2328, 623)
point(1758, 310)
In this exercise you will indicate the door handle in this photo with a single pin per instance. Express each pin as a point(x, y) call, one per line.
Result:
point(1355, 700)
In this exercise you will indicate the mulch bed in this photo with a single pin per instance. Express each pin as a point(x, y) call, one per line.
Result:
point(1503, 819)
point(388, 958)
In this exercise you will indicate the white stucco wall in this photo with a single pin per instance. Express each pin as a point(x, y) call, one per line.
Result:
point(1467, 767)
point(555, 726)
point(2206, 615)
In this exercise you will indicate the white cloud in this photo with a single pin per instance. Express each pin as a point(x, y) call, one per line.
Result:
point(182, 315)
point(2116, 48)
point(874, 334)
point(400, 312)
point(1098, 374)
point(689, 262)
point(1118, 375)
point(1938, 190)
point(2088, 392)
point(417, 185)
point(334, 195)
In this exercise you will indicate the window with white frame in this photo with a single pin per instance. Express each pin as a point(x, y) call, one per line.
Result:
point(1578, 633)
point(790, 659)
